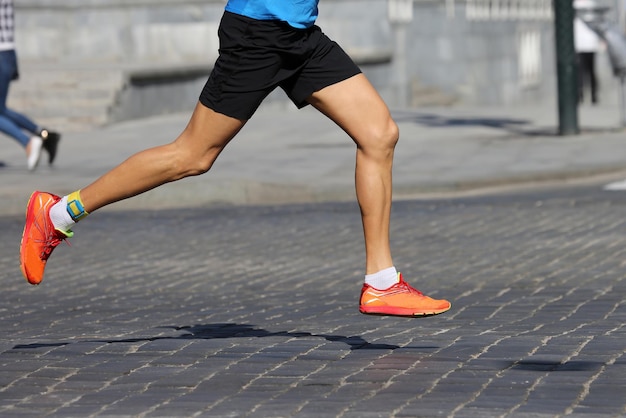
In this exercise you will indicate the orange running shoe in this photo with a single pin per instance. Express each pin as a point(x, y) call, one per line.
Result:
point(39, 237)
point(400, 300)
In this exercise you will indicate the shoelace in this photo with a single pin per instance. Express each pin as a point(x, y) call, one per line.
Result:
point(50, 244)
point(404, 285)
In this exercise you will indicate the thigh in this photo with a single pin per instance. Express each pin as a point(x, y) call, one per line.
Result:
point(355, 106)
point(587, 61)
point(207, 132)
point(326, 64)
point(235, 87)
point(7, 71)
point(592, 62)
point(21, 120)
point(254, 58)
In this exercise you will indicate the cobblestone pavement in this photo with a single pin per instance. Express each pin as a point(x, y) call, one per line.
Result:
point(252, 312)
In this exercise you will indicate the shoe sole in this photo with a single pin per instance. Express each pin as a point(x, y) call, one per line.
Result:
point(391, 311)
point(26, 231)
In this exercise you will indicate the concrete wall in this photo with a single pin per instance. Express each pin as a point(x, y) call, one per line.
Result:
point(449, 56)
point(113, 31)
point(479, 60)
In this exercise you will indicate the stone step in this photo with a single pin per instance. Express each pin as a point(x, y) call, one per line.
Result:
point(53, 96)
point(423, 96)
point(67, 99)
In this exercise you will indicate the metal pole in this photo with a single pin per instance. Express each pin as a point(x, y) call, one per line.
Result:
point(567, 71)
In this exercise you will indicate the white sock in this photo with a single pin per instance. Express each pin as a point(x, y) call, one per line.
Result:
point(382, 280)
point(59, 216)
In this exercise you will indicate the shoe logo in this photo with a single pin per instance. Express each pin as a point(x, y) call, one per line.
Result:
point(382, 293)
point(371, 300)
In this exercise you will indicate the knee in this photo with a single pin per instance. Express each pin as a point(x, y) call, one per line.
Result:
point(196, 166)
point(392, 134)
point(383, 139)
point(388, 135)
point(189, 161)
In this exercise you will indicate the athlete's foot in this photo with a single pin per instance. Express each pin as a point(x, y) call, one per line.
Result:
point(33, 152)
point(50, 143)
point(40, 237)
point(400, 300)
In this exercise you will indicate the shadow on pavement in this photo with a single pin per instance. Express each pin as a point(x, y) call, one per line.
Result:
point(212, 331)
point(438, 121)
point(557, 366)
point(517, 128)
point(233, 330)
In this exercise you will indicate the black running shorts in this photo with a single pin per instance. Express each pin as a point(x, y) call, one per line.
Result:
point(256, 56)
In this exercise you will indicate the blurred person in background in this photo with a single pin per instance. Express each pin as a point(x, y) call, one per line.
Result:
point(586, 43)
point(14, 124)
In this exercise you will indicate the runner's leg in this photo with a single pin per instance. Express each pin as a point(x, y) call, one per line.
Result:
point(358, 109)
point(191, 154)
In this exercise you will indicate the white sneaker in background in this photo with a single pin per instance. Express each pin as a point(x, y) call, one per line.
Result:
point(616, 185)
point(34, 152)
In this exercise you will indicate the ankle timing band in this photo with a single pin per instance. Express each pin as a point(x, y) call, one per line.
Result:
point(75, 207)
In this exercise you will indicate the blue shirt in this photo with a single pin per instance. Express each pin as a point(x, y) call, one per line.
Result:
point(300, 14)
